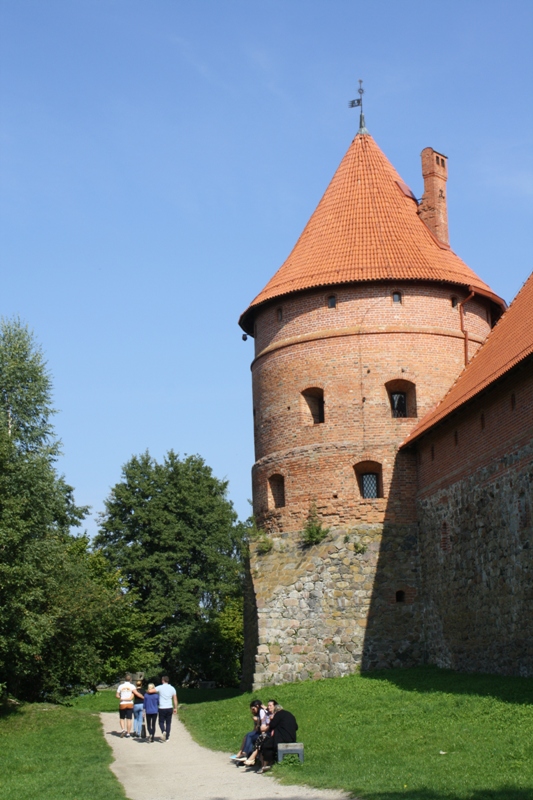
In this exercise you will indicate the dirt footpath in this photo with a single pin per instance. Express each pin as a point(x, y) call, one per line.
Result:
point(182, 770)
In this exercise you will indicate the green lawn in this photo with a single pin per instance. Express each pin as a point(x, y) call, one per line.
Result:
point(52, 752)
point(380, 736)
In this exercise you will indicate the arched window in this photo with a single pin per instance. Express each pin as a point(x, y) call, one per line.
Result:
point(276, 491)
point(369, 479)
point(312, 405)
point(402, 398)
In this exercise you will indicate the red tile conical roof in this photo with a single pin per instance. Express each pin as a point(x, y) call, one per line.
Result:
point(508, 344)
point(366, 228)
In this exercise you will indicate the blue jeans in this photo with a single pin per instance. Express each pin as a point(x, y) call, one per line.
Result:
point(137, 718)
point(249, 742)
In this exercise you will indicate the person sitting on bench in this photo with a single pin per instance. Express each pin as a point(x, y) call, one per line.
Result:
point(282, 729)
point(261, 720)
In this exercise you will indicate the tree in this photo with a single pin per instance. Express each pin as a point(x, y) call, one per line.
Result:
point(63, 610)
point(25, 390)
point(173, 534)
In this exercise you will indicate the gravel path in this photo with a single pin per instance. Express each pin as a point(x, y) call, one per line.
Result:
point(182, 770)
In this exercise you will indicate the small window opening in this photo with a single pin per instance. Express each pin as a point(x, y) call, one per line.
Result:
point(276, 484)
point(445, 539)
point(433, 452)
point(398, 404)
point(396, 297)
point(279, 314)
point(437, 159)
point(313, 406)
point(513, 402)
point(483, 422)
point(369, 483)
point(400, 596)
point(332, 301)
point(454, 302)
point(369, 479)
point(402, 398)
point(456, 438)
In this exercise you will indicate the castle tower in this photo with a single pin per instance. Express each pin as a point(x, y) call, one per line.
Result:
point(360, 332)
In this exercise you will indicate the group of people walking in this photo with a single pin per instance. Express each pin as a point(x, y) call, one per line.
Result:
point(140, 707)
point(273, 725)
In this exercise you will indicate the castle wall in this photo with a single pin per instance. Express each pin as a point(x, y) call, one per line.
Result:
point(353, 599)
point(351, 353)
point(475, 508)
point(314, 604)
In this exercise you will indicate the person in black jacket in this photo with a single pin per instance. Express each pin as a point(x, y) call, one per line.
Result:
point(282, 729)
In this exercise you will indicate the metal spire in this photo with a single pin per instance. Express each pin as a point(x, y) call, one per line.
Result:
point(359, 103)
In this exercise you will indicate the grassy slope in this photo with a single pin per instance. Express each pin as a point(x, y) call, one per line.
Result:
point(380, 736)
point(55, 753)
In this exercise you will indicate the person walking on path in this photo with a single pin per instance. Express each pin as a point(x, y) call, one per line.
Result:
point(138, 708)
point(126, 691)
point(168, 705)
point(151, 707)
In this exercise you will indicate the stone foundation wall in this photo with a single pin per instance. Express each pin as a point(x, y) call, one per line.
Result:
point(476, 550)
point(326, 609)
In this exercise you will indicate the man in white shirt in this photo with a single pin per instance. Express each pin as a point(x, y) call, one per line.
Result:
point(168, 705)
point(126, 691)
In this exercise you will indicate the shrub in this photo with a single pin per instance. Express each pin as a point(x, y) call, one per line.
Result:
point(313, 532)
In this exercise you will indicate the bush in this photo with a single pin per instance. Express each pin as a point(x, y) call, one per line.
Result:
point(314, 532)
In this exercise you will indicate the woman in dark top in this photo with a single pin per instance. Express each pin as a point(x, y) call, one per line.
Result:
point(151, 705)
point(282, 729)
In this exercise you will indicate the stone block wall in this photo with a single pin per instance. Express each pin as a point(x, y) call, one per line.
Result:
point(475, 508)
point(324, 610)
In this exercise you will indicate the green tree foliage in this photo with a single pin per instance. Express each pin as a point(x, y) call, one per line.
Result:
point(65, 619)
point(25, 390)
point(173, 534)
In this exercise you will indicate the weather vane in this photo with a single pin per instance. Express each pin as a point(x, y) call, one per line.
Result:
point(359, 104)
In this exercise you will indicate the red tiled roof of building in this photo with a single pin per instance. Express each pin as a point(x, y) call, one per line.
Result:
point(509, 343)
point(366, 228)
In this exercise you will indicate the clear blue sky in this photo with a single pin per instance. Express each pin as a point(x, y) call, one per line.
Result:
point(159, 158)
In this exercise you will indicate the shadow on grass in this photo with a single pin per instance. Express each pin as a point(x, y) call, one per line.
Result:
point(432, 679)
point(503, 793)
point(9, 708)
point(192, 696)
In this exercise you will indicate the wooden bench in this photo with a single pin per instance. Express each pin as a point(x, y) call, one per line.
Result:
point(295, 748)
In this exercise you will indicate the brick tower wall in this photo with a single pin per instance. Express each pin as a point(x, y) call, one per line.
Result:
point(352, 599)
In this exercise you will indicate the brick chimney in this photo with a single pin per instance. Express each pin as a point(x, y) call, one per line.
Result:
point(432, 208)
